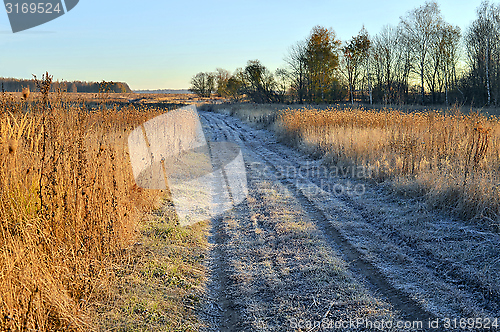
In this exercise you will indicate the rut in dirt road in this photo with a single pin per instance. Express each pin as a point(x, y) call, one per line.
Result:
point(295, 254)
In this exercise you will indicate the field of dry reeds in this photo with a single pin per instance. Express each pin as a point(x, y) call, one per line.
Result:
point(449, 158)
point(69, 208)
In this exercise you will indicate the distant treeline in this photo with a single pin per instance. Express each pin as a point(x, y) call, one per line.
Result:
point(423, 60)
point(165, 91)
point(16, 85)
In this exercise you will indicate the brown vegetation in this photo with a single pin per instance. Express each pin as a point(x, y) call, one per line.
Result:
point(69, 209)
point(451, 159)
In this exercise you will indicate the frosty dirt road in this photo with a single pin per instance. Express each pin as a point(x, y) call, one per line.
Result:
point(313, 250)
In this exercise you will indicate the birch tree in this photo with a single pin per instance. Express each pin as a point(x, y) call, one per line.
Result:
point(296, 60)
point(421, 27)
point(482, 48)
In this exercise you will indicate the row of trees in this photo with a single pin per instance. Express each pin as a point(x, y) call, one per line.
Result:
point(255, 81)
point(482, 42)
point(16, 85)
point(422, 60)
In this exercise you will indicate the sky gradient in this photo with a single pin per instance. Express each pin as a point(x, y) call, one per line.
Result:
point(162, 44)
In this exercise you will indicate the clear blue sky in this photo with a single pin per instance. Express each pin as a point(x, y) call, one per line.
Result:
point(162, 44)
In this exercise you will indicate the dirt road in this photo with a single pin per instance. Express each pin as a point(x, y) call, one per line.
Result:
point(315, 249)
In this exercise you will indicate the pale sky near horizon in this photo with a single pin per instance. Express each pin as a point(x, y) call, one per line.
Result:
point(162, 44)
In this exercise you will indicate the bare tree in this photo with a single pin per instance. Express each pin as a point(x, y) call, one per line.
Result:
point(391, 62)
point(222, 77)
point(449, 49)
point(355, 55)
point(404, 65)
point(441, 64)
point(421, 27)
point(296, 61)
point(258, 82)
point(282, 83)
point(234, 85)
point(482, 47)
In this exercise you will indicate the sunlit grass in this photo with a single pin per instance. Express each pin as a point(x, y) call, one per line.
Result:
point(69, 208)
point(452, 159)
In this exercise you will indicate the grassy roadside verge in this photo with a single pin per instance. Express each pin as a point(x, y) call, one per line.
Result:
point(160, 280)
point(450, 159)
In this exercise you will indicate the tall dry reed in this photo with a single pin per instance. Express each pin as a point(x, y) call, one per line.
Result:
point(68, 208)
point(451, 159)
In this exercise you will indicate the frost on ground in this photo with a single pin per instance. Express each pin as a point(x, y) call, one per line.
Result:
point(308, 247)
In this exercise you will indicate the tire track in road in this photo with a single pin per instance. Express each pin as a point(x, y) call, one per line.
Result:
point(412, 270)
point(474, 296)
point(407, 307)
point(269, 308)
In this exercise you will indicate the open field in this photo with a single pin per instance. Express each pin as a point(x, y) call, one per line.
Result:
point(339, 223)
point(121, 99)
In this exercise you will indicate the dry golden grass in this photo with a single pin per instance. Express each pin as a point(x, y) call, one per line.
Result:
point(69, 209)
point(452, 159)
